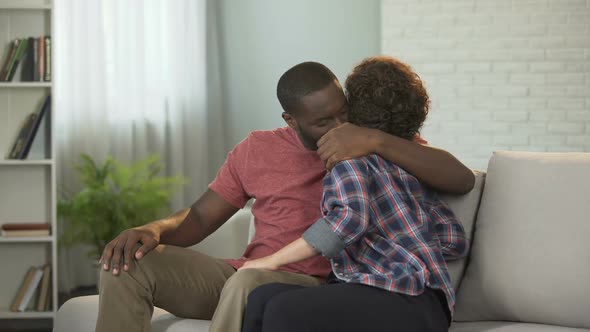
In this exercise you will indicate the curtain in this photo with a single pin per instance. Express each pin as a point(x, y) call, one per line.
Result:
point(133, 78)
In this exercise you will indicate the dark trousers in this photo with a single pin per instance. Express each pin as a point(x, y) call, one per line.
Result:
point(342, 307)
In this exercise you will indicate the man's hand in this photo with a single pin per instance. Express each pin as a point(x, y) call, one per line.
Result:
point(266, 263)
point(347, 142)
point(122, 246)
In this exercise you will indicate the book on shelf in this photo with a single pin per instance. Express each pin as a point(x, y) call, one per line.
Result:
point(36, 278)
point(41, 63)
point(25, 229)
point(47, 59)
point(9, 56)
point(23, 289)
point(27, 73)
point(44, 291)
point(34, 56)
point(27, 233)
point(19, 143)
point(18, 56)
point(48, 305)
point(30, 127)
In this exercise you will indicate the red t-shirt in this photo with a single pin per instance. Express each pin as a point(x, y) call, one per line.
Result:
point(286, 180)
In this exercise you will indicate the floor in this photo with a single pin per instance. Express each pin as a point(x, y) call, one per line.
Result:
point(42, 325)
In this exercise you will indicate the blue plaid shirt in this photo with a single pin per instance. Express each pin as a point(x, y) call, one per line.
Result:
point(381, 227)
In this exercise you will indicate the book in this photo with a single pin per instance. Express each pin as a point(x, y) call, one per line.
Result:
point(36, 59)
point(11, 52)
point(45, 108)
point(25, 229)
point(19, 143)
point(41, 59)
point(24, 226)
point(41, 147)
point(48, 302)
point(35, 280)
point(44, 291)
point(47, 58)
point(20, 52)
point(28, 66)
point(25, 233)
point(23, 289)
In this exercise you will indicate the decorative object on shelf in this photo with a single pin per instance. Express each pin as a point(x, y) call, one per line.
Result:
point(115, 197)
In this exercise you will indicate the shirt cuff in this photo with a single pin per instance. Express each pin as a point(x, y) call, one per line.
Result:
point(323, 239)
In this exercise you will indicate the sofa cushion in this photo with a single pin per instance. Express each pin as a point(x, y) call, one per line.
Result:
point(80, 313)
point(509, 327)
point(530, 256)
point(465, 209)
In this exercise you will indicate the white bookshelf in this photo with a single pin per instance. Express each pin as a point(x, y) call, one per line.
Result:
point(27, 187)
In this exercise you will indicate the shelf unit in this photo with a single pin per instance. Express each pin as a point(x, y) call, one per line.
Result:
point(27, 187)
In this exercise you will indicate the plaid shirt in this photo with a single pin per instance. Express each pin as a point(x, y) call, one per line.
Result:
point(381, 227)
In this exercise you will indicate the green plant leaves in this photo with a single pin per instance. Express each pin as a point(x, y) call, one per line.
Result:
point(115, 197)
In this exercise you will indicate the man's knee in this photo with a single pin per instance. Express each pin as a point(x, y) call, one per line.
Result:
point(139, 270)
point(244, 281)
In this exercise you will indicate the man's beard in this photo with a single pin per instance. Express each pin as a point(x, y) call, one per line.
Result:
point(308, 141)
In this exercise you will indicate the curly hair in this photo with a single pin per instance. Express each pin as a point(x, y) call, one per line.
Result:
point(386, 94)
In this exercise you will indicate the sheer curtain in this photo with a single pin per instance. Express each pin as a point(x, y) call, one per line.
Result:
point(132, 78)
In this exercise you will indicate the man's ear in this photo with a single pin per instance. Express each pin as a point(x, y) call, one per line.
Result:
point(290, 120)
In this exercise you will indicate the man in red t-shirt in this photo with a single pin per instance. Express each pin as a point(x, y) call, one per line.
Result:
point(283, 170)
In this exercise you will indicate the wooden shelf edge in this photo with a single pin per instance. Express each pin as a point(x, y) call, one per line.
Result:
point(26, 239)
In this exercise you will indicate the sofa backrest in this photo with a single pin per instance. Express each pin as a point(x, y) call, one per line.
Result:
point(231, 239)
point(530, 260)
point(465, 208)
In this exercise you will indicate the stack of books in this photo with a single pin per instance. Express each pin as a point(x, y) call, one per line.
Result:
point(38, 278)
point(35, 56)
point(29, 128)
point(25, 230)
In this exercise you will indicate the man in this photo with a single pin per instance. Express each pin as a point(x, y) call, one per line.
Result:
point(283, 171)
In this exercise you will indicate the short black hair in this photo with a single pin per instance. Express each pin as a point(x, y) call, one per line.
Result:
point(385, 93)
point(301, 80)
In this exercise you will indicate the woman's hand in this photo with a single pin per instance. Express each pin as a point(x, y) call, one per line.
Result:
point(266, 263)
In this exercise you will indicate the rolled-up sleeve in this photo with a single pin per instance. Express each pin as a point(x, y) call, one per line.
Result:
point(345, 209)
point(449, 230)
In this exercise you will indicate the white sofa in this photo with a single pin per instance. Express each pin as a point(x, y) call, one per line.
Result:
point(529, 267)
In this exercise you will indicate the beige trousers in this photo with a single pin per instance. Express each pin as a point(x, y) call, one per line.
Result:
point(187, 284)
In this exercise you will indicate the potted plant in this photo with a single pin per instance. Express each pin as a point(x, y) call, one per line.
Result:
point(114, 197)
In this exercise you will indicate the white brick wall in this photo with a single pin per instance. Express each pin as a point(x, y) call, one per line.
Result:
point(502, 74)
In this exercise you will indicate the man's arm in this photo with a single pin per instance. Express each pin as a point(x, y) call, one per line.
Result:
point(183, 228)
point(205, 216)
point(435, 167)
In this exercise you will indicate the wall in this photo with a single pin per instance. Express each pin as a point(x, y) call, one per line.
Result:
point(261, 39)
point(510, 75)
